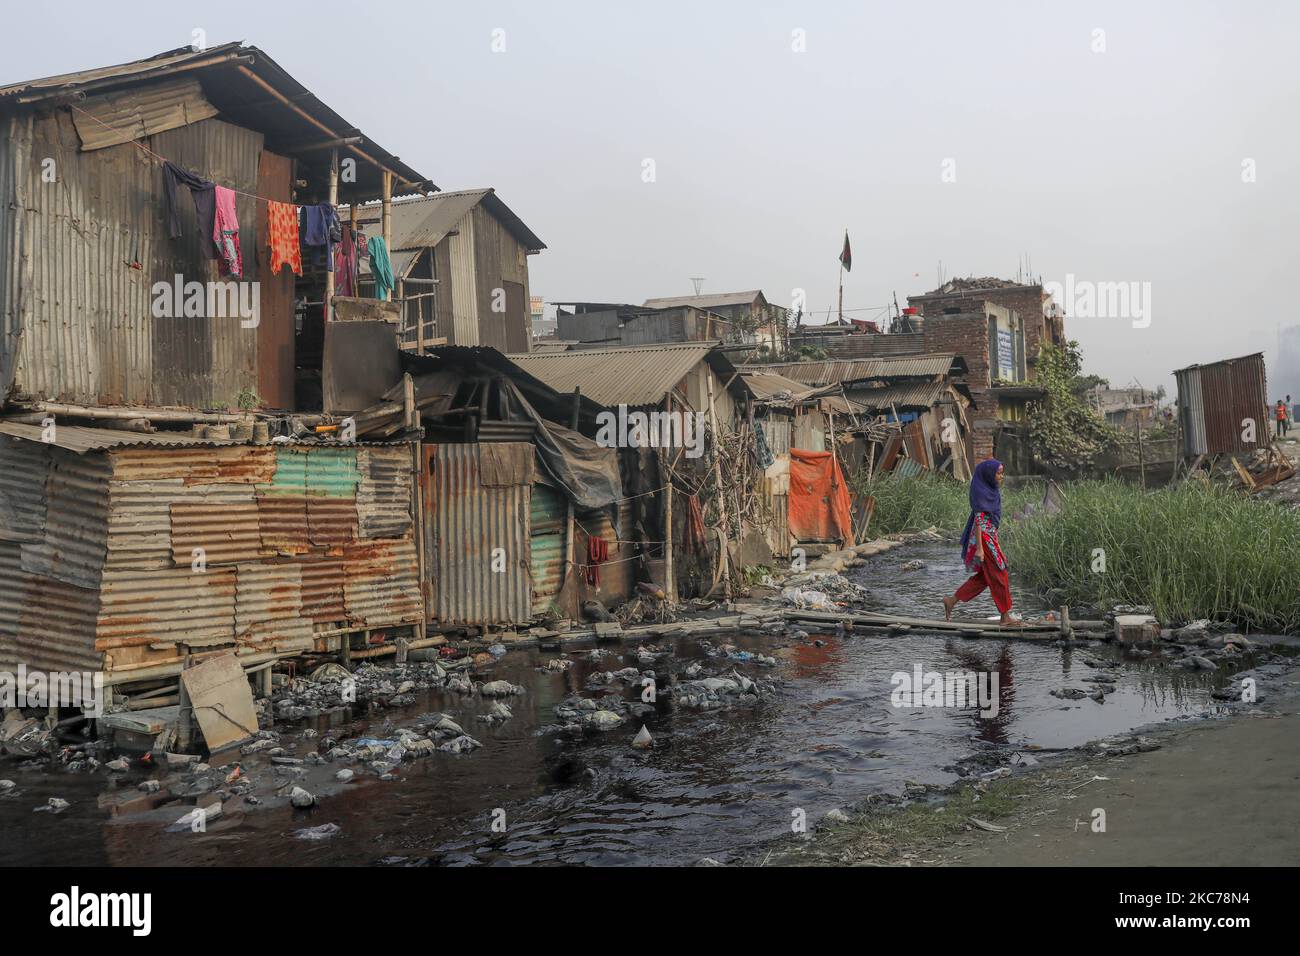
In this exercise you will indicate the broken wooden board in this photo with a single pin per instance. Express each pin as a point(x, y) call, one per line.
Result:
point(222, 701)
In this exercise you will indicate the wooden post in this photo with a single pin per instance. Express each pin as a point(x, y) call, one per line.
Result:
point(665, 474)
point(411, 416)
point(329, 266)
point(724, 557)
point(386, 214)
point(185, 718)
point(1142, 465)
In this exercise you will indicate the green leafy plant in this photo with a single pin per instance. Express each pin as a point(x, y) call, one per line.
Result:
point(1064, 433)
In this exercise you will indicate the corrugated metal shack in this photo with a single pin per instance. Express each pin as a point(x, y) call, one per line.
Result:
point(1217, 401)
point(122, 551)
point(677, 377)
point(85, 237)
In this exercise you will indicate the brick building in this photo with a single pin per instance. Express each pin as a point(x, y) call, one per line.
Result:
point(1041, 316)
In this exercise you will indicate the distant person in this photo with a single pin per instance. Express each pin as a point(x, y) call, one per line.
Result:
point(1280, 414)
point(979, 545)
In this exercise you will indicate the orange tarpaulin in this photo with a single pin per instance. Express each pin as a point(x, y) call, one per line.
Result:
point(816, 512)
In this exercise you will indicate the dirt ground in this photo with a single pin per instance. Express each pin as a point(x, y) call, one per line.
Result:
point(1208, 793)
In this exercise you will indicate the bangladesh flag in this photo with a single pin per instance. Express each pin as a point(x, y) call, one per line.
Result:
point(846, 257)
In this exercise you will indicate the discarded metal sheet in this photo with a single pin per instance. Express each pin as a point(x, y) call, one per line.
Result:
point(381, 584)
point(361, 363)
point(216, 535)
point(384, 492)
point(222, 700)
point(322, 590)
point(13, 596)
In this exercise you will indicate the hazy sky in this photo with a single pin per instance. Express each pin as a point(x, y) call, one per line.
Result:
point(1107, 141)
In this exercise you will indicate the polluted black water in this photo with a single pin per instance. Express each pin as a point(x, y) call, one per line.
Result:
point(715, 784)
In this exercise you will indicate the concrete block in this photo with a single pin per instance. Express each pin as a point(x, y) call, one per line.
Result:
point(1136, 629)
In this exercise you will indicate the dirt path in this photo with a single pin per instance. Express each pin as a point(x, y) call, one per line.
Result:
point(1227, 794)
point(1207, 793)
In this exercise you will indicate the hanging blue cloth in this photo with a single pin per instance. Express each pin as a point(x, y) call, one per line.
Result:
point(321, 228)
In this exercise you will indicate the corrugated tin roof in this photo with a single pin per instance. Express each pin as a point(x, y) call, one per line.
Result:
point(230, 75)
point(704, 301)
point(1240, 358)
point(873, 345)
point(81, 439)
point(636, 375)
point(910, 395)
point(422, 222)
point(768, 385)
point(825, 373)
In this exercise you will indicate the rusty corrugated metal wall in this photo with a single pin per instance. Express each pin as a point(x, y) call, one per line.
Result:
point(114, 558)
point(1215, 403)
point(469, 522)
point(79, 256)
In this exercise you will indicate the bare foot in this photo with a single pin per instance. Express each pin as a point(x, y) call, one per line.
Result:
point(1008, 621)
point(948, 604)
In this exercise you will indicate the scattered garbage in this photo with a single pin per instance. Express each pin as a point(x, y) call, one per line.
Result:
point(322, 832)
point(643, 740)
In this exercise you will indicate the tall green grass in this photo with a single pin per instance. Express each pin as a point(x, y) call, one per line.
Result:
point(914, 504)
point(1190, 551)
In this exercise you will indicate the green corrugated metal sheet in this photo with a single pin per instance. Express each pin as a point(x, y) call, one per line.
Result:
point(290, 473)
point(332, 472)
point(548, 511)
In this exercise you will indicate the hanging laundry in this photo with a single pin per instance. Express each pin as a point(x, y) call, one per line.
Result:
point(380, 267)
point(321, 228)
point(205, 202)
point(225, 234)
point(282, 236)
point(345, 264)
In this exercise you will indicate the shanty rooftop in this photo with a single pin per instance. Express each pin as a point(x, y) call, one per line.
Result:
point(713, 301)
point(826, 373)
point(634, 375)
point(421, 222)
point(118, 104)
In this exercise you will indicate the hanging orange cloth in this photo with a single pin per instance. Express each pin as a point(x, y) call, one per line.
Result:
point(282, 236)
point(818, 512)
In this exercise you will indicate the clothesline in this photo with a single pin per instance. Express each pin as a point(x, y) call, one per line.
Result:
point(158, 157)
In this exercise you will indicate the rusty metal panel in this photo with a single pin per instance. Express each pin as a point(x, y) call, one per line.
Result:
point(56, 628)
point(140, 608)
point(227, 531)
point(24, 467)
point(228, 464)
point(469, 524)
point(268, 606)
point(1222, 398)
point(381, 585)
point(548, 515)
point(322, 589)
point(76, 521)
point(331, 522)
point(384, 492)
point(140, 523)
point(134, 114)
point(290, 475)
point(283, 523)
point(13, 597)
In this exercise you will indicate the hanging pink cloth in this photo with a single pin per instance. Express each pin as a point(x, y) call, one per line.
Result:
point(225, 233)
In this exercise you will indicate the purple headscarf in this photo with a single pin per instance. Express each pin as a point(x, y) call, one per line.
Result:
point(985, 496)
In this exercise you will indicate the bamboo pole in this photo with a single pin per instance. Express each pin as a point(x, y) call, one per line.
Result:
point(329, 266)
point(724, 556)
point(665, 475)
